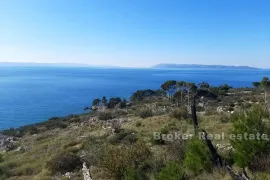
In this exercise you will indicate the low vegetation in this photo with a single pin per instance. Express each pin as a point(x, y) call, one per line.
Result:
point(166, 134)
point(62, 163)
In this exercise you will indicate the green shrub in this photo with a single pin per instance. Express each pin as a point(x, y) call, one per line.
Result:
point(7, 168)
point(246, 106)
point(145, 113)
point(65, 162)
point(249, 122)
point(104, 116)
point(133, 174)
point(93, 149)
point(1, 158)
point(3, 173)
point(157, 163)
point(227, 156)
point(33, 130)
point(74, 120)
point(197, 157)
point(155, 141)
point(138, 123)
point(266, 113)
point(130, 139)
point(27, 169)
point(260, 163)
point(117, 126)
point(176, 150)
point(231, 109)
point(179, 113)
point(43, 136)
point(120, 159)
point(13, 132)
point(119, 113)
point(124, 136)
point(71, 143)
point(72, 149)
point(123, 104)
point(200, 108)
point(52, 123)
point(55, 122)
point(164, 130)
point(209, 112)
point(224, 118)
point(172, 171)
point(171, 126)
point(11, 146)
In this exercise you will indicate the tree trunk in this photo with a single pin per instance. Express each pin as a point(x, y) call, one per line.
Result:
point(235, 175)
point(181, 98)
point(194, 116)
point(265, 97)
point(169, 95)
point(215, 156)
point(217, 159)
point(244, 174)
point(188, 99)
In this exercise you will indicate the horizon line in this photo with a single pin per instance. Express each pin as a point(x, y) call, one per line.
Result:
point(118, 66)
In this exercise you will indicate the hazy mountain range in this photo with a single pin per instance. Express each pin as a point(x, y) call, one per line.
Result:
point(175, 66)
point(158, 66)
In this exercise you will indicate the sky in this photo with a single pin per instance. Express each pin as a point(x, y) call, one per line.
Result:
point(136, 33)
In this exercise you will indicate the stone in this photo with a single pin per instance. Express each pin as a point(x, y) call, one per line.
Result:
point(6, 142)
point(86, 172)
point(68, 175)
point(220, 109)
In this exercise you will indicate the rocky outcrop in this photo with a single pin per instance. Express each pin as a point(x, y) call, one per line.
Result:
point(6, 142)
point(226, 147)
point(86, 172)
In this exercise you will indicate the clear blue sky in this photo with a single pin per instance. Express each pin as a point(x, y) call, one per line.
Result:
point(136, 33)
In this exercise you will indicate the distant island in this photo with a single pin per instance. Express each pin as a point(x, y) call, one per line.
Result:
point(176, 66)
point(158, 66)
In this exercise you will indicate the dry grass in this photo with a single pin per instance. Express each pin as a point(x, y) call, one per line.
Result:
point(29, 163)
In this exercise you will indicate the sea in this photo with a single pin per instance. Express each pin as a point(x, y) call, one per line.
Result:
point(33, 94)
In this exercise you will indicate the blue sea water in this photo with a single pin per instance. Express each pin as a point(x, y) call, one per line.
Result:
point(34, 94)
